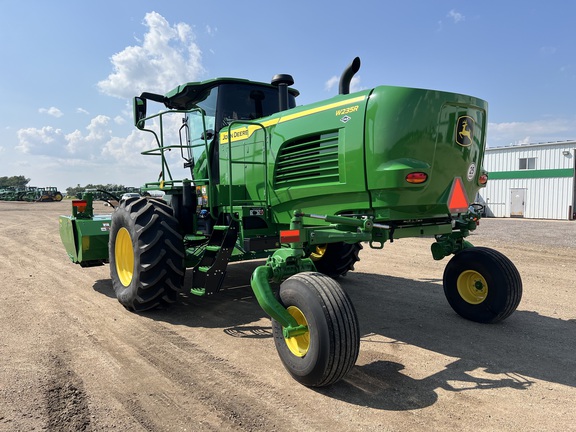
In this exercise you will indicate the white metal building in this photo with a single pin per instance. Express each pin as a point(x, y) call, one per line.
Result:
point(531, 181)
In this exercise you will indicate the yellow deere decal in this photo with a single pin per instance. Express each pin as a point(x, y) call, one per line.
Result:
point(464, 130)
point(245, 132)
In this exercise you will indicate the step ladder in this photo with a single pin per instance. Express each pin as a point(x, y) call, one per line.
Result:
point(208, 276)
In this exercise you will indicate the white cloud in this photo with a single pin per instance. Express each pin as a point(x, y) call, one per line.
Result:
point(335, 81)
point(44, 141)
point(98, 129)
point(90, 145)
point(82, 111)
point(50, 141)
point(355, 84)
point(167, 57)
point(119, 120)
point(545, 130)
point(456, 16)
point(331, 83)
point(548, 50)
point(127, 149)
point(53, 111)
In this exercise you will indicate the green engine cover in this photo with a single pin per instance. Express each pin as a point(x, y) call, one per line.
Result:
point(352, 154)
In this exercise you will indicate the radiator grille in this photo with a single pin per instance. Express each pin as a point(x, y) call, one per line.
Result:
point(308, 161)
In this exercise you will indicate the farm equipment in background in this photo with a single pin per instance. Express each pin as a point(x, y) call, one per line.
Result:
point(110, 197)
point(30, 194)
point(48, 194)
point(9, 194)
point(303, 187)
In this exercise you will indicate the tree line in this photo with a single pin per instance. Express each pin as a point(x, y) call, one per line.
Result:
point(79, 190)
point(14, 182)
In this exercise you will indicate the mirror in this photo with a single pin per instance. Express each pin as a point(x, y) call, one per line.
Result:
point(139, 112)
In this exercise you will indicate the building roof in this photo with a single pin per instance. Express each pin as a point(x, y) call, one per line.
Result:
point(567, 144)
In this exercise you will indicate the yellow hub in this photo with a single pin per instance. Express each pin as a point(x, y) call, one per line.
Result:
point(472, 287)
point(298, 345)
point(124, 253)
point(319, 252)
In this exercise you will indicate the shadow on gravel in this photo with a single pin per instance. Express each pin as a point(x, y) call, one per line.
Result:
point(104, 286)
point(234, 308)
point(510, 354)
point(382, 385)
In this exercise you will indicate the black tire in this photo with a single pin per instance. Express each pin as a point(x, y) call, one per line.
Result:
point(146, 254)
point(335, 259)
point(482, 285)
point(333, 337)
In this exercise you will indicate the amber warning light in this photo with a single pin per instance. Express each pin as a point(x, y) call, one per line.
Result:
point(416, 177)
point(80, 205)
point(458, 201)
point(290, 236)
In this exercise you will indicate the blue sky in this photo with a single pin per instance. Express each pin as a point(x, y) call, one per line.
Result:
point(70, 68)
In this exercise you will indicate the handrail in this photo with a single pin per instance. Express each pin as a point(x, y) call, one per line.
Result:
point(231, 162)
point(161, 149)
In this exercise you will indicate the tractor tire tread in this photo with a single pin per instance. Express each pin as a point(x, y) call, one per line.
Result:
point(160, 267)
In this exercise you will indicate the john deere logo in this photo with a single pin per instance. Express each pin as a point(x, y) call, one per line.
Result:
point(465, 130)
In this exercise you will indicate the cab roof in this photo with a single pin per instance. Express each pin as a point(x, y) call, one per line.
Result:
point(185, 96)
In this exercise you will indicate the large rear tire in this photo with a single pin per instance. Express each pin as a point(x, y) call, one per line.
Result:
point(146, 254)
point(335, 259)
point(327, 352)
point(482, 285)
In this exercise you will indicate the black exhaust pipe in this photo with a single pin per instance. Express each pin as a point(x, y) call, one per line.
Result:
point(349, 72)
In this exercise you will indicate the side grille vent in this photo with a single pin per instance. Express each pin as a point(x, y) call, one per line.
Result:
point(308, 161)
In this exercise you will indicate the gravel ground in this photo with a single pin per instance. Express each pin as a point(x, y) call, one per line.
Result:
point(73, 359)
point(555, 233)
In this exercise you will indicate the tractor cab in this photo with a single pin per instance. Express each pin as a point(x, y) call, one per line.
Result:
point(209, 106)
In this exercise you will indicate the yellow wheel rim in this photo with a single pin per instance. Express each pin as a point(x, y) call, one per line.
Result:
point(472, 287)
point(319, 252)
point(298, 345)
point(124, 254)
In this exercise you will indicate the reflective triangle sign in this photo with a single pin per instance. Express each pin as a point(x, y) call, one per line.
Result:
point(458, 200)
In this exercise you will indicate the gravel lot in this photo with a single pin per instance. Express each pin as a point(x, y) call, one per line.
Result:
point(547, 233)
point(74, 359)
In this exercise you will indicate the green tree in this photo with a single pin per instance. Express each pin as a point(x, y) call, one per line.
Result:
point(14, 181)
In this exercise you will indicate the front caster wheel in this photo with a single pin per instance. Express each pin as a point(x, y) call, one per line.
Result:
point(482, 285)
point(329, 349)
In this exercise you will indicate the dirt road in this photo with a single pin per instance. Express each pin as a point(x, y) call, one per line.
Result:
point(72, 358)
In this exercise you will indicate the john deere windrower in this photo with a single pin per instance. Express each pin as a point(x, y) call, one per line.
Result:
point(304, 187)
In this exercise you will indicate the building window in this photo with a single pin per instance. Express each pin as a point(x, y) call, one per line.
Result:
point(527, 163)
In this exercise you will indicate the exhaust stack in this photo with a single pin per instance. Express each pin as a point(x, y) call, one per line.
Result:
point(349, 72)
